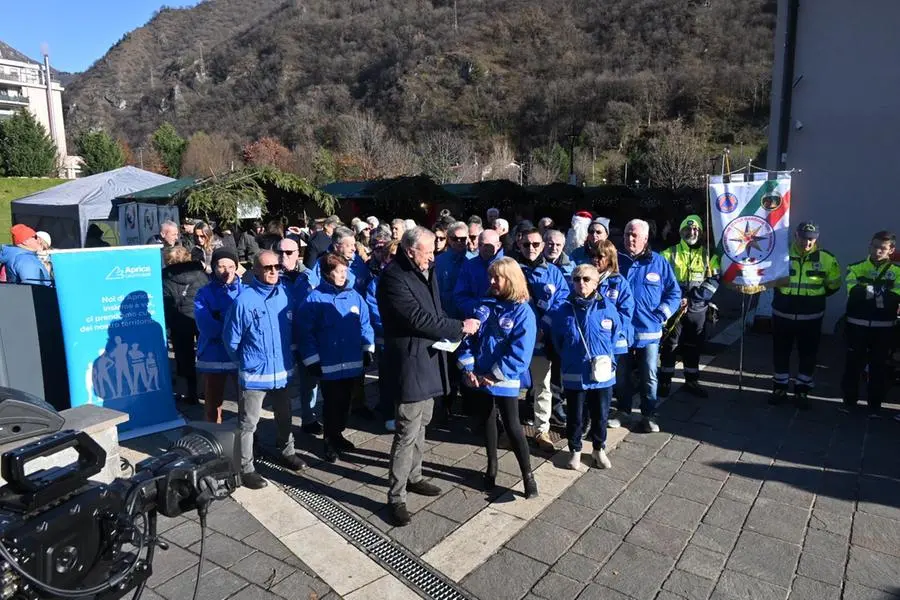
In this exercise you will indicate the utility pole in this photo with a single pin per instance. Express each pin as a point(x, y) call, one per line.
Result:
point(572, 155)
point(455, 17)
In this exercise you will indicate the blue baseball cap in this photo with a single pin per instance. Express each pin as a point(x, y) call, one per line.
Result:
point(807, 230)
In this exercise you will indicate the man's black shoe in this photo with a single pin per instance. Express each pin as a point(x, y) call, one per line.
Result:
point(342, 444)
point(801, 400)
point(556, 421)
point(777, 397)
point(693, 388)
point(399, 514)
point(423, 488)
point(314, 428)
point(663, 388)
point(253, 480)
point(294, 462)
point(531, 490)
point(331, 454)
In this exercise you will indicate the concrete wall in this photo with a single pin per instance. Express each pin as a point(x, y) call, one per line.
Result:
point(848, 101)
point(37, 104)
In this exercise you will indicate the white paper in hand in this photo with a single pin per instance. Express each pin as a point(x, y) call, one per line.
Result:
point(446, 346)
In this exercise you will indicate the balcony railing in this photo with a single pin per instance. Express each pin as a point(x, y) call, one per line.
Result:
point(10, 99)
point(31, 78)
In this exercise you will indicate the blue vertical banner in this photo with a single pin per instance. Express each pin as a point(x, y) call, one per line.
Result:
point(111, 308)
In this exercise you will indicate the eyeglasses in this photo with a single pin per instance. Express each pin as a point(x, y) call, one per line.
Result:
point(473, 237)
point(441, 238)
point(532, 244)
point(269, 268)
point(597, 231)
point(583, 279)
point(288, 252)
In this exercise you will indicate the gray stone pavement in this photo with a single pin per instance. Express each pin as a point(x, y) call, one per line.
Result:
point(734, 500)
point(242, 561)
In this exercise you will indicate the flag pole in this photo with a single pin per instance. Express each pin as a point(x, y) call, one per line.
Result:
point(741, 355)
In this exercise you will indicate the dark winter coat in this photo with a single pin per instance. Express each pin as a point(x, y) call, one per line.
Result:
point(317, 246)
point(180, 283)
point(413, 319)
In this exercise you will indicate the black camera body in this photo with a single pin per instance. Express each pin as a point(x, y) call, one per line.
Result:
point(62, 535)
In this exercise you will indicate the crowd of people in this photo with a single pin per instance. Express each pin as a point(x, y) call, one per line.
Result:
point(464, 317)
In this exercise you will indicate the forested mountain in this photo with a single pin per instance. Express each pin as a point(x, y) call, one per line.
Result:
point(526, 73)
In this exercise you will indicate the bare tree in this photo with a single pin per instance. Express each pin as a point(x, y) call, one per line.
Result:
point(362, 138)
point(207, 155)
point(444, 155)
point(675, 158)
point(502, 163)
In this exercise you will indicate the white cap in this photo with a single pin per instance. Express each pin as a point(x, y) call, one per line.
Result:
point(45, 237)
point(373, 222)
point(410, 224)
point(360, 226)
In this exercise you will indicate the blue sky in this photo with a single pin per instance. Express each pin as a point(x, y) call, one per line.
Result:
point(78, 32)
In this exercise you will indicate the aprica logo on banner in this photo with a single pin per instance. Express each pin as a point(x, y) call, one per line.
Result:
point(128, 273)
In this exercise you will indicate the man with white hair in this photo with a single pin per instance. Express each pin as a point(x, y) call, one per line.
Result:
point(492, 215)
point(167, 236)
point(373, 222)
point(475, 230)
point(554, 242)
point(501, 226)
point(657, 297)
point(398, 227)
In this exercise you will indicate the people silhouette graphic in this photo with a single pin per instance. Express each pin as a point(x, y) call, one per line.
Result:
point(123, 371)
point(152, 373)
point(138, 369)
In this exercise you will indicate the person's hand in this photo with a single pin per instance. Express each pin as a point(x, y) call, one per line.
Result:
point(367, 359)
point(294, 229)
point(314, 369)
point(471, 326)
point(469, 379)
point(683, 303)
point(485, 381)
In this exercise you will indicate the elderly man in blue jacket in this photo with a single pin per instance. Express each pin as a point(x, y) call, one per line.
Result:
point(472, 283)
point(343, 243)
point(448, 265)
point(657, 296)
point(257, 335)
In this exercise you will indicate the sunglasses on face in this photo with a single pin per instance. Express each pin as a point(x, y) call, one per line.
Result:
point(457, 238)
point(288, 252)
point(583, 279)
point(441, 238)
point(597, 231)
point(269, 268)
point(532, 244)
point(473, 237)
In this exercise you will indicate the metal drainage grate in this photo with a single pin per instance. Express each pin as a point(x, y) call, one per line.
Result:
point(393, 557)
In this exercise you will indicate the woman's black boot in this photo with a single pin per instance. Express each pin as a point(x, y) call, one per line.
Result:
point(531, 490)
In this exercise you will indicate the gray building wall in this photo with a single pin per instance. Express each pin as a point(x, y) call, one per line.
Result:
point(848, 100)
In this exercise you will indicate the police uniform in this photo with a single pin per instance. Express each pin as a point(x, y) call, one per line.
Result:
point(873, 299)
point(698, 276)
point(797, 312)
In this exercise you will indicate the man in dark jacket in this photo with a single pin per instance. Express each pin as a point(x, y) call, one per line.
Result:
point(412, 317)
point(320, 243)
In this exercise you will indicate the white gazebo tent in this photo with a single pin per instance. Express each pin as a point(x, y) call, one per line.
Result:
point(66, 211)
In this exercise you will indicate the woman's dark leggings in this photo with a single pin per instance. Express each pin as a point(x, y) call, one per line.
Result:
point(508, 408)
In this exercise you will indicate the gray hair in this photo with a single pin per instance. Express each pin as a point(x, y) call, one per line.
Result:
point(640, 225)
point(398, 222)
point(554, 233)
point(168, 223)
point(501, 222)
point(456, 226)
point(412, 236)
point(380, 235)
point(341, 233)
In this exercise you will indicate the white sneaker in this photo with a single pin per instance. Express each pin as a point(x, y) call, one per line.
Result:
point(601, 461)
point(391, 425)
point(614, 421)
point(574, 461)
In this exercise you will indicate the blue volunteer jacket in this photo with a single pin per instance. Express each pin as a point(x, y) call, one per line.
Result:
point(503, 347)
point(257, 336)
point(374, 313)
point(24, 266)
point(334, 331)
point(657, 294)
point(600, 325)
point(579, 256)
point(357, 278)
point(472, 285)
point(446, 269)
point(615, 288)
point(211, 305)
point(548, 289)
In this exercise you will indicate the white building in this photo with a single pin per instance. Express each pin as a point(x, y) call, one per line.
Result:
point(27, 84)
point(836, 115)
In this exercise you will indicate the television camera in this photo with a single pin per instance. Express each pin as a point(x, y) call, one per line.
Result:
point(63, 536)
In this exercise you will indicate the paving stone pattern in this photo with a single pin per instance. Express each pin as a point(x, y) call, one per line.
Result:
point(242, 561)
point(734, 500)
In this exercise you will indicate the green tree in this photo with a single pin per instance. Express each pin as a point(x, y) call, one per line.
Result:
point(25, 148)
point(170, 147)
point(99, 151)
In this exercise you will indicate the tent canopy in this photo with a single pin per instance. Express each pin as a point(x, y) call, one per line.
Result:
point(66, 210)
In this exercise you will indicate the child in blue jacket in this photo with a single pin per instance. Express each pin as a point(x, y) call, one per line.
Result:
point(584, 332)
point(496, 360)
point(332, 317)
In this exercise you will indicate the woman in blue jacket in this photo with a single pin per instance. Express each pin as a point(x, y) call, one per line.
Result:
point(211, 304)
point(584, 332)
point(495, 361)
point(332, 317)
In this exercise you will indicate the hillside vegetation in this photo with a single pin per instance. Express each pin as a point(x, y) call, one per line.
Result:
point(525, 73)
